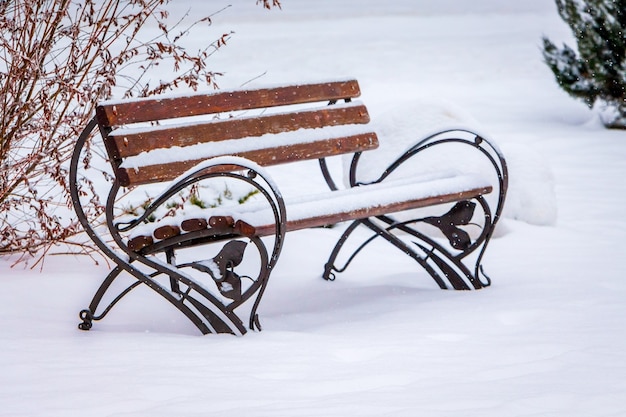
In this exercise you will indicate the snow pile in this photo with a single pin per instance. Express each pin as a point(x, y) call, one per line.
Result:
point(532, 191)
point(546, 339)
point(531, 196)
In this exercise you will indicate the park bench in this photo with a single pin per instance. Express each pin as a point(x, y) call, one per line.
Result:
point(172, 144)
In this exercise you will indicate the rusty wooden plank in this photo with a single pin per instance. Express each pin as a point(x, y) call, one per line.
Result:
point(122, 144)
point(152, 109)
point(273, 156)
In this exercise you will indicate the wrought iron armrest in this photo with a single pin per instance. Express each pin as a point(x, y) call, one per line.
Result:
point(450, 265)
point(208, 169)
point(238, 168)
point(461, 136)
point(207, 309)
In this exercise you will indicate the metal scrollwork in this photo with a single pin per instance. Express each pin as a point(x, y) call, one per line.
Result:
point(448, 264)
point(211, 304)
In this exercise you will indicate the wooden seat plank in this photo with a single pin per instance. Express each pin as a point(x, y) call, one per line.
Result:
point(371, 204)
point(366, 212)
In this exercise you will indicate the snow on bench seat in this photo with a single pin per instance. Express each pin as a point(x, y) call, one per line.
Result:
point(381, 198)
point(321, 209)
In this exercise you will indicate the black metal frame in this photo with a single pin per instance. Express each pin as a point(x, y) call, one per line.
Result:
point(455, 264)
point(208, 311)
point(449, 263)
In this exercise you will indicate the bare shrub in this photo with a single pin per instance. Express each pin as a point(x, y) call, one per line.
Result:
point(58, 58)
point(267, 5)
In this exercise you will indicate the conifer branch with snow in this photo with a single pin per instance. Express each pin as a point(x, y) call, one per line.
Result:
point(595, 71)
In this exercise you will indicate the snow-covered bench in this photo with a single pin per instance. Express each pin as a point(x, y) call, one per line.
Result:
point(174, 144)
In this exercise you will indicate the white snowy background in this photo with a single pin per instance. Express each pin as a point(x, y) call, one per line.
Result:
point(546, 339)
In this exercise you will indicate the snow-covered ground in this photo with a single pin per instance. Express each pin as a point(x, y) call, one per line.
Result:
point(547, 338)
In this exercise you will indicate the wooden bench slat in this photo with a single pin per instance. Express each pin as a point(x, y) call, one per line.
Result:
point(313, 150)
point(337, 216)
point(125, 142)
point(146, 110)
point(192, 225)
point(167, 231)
point(333, 207)
point(364, 212)
point(139, 242)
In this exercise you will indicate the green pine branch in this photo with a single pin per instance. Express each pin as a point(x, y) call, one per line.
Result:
point(596, 69)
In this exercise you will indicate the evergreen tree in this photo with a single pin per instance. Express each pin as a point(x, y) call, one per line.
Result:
point(596, 72)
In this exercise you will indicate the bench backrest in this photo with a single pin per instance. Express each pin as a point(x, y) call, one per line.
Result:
point(144, 152)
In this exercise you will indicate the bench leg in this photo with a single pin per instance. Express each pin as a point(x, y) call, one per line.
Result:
point(447, 270)
point(88, 315)
point(229, 283)
point(207, 310)
point(211, 312)
point(207, 320)
point(203, 308)
point(447, 266)
point(331, 268)
point(456, 264)
point(217, 324)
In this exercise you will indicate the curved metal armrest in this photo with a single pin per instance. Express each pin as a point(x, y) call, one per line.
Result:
point(453, 135)
point(75, 192)
point(254, 174)
point(205, 170)
point(462, 136)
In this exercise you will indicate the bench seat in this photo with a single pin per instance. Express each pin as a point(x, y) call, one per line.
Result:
point(323, 209)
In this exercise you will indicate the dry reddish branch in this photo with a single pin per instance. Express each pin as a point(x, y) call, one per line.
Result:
point(266, 3)
point(57, 59)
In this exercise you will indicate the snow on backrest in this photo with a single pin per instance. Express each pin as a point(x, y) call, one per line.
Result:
point(142, 151)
